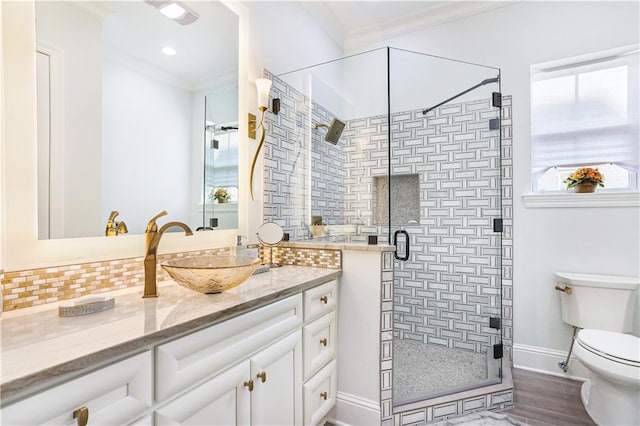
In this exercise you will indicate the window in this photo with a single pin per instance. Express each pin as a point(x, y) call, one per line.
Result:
point(584, 113)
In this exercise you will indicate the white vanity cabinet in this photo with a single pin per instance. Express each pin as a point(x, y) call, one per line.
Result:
point(273, 365)
point(246, 370)
point(115, 395)
point(320, 352)
point(265, 389)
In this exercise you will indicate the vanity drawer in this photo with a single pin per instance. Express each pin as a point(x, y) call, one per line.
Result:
point(320, 394)
point(191, 359)
point(319, 340)
point(320, 300)
point(114, 395)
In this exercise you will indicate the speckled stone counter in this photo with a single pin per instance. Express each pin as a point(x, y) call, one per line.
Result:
point(40, 349)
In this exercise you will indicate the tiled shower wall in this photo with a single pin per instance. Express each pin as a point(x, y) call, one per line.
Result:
point(293, 170)
point(364, 153)
point(450, 286)
point(496, 400)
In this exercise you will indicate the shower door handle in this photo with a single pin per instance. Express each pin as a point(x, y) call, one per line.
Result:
point(407, 245)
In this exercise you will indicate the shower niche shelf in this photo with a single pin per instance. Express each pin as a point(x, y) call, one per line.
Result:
point(405, 197)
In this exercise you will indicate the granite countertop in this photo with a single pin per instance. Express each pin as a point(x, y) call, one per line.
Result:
point(40, 349)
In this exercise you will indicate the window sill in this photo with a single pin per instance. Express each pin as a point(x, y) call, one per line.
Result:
point(569, 199)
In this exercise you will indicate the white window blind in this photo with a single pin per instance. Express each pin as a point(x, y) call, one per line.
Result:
point(585, 111)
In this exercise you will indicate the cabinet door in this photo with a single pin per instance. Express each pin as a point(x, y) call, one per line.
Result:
point(277, 372)
point(114, 395)
point(223, 400)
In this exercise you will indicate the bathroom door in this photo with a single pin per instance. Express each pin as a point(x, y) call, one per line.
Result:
point(445, 218)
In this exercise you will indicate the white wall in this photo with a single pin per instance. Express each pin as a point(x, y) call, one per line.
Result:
point(79, 36)
point(590, 240)
point(282, 38)
point(146, 147)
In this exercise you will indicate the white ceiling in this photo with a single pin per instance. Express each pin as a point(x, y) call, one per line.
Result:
point(352, 23)
point(207, 50)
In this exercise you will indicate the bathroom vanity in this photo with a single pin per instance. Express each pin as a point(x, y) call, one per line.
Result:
point(262, 353)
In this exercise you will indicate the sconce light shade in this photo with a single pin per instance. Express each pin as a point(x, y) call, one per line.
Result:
point(263, 85)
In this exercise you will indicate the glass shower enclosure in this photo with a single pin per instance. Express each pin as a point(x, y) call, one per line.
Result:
point(418, 163)
point(220, 175)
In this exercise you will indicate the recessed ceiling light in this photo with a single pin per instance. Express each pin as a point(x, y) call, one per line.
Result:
point(172, 10)
point(170, 51)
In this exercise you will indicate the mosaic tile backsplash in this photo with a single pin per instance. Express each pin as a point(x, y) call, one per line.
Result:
point(24, 289)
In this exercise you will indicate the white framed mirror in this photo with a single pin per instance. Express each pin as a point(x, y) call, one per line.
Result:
point(23, 249)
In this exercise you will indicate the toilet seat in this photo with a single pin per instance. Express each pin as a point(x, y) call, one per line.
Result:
point(616, 347)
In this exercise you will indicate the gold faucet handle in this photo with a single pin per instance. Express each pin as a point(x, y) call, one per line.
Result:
point(152, 226)
point(122, 227)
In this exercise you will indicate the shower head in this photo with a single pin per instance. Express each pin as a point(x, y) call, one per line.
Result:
point(335, 130)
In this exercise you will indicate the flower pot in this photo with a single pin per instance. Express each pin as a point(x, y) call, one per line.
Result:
point(585, 187)
point(221, 201)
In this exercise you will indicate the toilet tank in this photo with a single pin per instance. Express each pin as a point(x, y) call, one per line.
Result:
point(602, 302)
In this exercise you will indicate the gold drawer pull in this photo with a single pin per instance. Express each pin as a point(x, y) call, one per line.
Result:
point(323, 342)
point(564, 290)
point(324, 299)
point(262, 376)
point(82, 414)
point(249, 384)
point(324, 395)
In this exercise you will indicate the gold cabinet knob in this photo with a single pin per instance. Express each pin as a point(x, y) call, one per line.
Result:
point(324, 299)
point(82, 414)
point(249, 384)
point(323, 342)
point(324, 395)
point(262, 376)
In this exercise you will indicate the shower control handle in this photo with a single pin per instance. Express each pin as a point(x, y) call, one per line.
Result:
point(407, 244)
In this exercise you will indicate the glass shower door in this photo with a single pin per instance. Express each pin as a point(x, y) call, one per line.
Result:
point(445, 210)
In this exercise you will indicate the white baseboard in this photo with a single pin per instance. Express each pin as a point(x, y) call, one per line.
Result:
point(351, 410)
point(544, 360)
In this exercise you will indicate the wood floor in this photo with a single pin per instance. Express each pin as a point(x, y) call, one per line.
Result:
point(547, 400)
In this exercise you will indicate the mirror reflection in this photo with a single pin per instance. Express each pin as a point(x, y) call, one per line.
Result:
point(137, 113)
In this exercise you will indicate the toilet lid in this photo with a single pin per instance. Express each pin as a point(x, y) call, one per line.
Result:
point(616, 346)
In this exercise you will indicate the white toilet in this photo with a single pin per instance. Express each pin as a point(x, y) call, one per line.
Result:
point(603, 307)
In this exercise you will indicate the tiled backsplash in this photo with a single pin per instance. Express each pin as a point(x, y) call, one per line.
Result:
point(319, 258)
point(24, 289)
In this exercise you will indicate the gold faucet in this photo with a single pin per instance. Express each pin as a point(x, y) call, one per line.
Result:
point(152, 239)
point(114, 228)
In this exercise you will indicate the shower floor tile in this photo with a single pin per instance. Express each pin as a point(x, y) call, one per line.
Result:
point(420, 370)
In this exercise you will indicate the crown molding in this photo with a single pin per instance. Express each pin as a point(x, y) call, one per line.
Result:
point(326, 19)
point(436, 14)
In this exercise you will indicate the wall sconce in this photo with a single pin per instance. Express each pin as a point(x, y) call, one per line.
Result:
point(263, 85)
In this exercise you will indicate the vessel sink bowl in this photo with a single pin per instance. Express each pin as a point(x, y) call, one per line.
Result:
point(211, 274)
